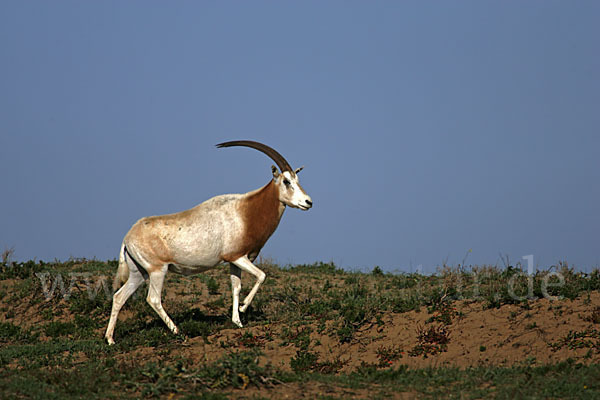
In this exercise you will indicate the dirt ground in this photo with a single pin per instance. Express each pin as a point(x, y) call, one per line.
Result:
point(505, 336)
point(539, 332)
point(477, 336)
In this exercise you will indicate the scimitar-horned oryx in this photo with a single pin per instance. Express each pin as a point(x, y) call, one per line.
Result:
point(228, 228)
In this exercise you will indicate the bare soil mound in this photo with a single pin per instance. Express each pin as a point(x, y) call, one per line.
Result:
point(307, 326)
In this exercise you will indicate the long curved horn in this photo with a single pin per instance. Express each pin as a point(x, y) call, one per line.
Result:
point(278, 158)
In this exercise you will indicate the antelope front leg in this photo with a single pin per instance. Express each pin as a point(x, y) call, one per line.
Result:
point(245, 264)
point(236, 288)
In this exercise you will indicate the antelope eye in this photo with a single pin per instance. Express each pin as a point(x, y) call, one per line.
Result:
point(286, 182)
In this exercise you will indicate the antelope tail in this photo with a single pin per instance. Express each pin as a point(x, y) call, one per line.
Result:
point(122, 271)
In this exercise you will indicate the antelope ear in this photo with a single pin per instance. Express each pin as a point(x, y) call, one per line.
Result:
point(299, 169)
point(275, 171)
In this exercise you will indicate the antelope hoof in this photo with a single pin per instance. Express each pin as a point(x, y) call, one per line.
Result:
point(110, 341)
point(175, 330)
point(244, 307)
point(238, 323)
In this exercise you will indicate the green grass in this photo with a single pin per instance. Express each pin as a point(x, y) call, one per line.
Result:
point(108, 378)
point(564, 380)
point(64, 354)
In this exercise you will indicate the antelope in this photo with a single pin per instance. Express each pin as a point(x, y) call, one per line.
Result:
point(230, 228)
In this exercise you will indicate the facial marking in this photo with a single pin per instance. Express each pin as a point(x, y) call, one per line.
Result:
point(291, 193)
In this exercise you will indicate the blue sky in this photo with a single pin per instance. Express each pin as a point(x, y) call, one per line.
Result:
point(426, 128)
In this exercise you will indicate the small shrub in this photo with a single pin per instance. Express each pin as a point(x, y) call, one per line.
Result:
point(387, 355)
point(300, 337)
point(404, 303)
point(58, 328)
point(193, 328)
point(304, 361)
point(330, 367)
point(319, 267)
point(80, 303)
point(594, 317)
point(431, 341)
point(405, 281)
point(235, 369)
point(247, 339)
point(345, 333)
point(9, 331)
point(24, 270)
point(212, 285)
point(356, 306)
point(590, 338)
point(443, 312)
point(157, 380)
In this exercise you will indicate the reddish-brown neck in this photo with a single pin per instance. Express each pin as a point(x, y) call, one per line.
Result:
point(261, 212)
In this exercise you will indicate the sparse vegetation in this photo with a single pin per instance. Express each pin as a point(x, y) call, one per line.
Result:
point(362, 335)
point(431, 340)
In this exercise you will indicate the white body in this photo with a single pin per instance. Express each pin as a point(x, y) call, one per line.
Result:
point(228, 228)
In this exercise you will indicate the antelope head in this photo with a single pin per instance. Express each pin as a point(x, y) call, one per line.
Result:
point(286, 179)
